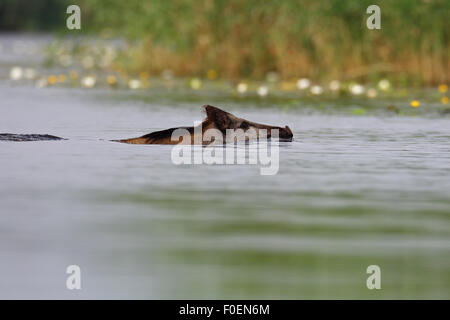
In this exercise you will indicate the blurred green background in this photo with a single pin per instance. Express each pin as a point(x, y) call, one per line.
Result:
point(320, 39)
point(364, 182)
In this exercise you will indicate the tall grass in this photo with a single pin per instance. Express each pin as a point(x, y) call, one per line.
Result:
point(321, 39)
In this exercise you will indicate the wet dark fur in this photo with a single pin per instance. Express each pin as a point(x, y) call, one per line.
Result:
point(27, 137)
point(157, 135)
point(215, 119)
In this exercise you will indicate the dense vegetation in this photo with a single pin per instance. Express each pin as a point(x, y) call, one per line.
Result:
point(321, 39)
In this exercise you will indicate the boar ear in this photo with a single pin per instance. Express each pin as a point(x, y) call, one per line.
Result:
point(219, 117)
point(288, 130)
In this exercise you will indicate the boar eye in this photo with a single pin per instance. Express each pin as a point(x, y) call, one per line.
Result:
point(244, 125)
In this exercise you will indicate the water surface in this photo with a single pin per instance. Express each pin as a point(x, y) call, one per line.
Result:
point(351, 191)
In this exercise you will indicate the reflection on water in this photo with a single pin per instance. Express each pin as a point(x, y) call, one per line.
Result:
point(351, 191)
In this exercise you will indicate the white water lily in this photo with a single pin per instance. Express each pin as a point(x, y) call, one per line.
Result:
point(335, 85)
point(263, 91)
point(357, 89)
point(88, 81)
point(316, 90)
point(134, 84)
point(16, 73)
point(242, 87)
point(384, 85)
point(303, 83)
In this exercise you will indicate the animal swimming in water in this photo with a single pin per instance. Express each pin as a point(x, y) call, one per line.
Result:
point(221, 122)
point(217, 121)
point(27, 137)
